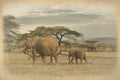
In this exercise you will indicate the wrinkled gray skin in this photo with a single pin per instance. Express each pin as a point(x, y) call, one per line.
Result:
point(76, 54)
point(45, 46)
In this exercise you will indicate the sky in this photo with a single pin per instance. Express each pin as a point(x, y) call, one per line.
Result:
point(91, 20)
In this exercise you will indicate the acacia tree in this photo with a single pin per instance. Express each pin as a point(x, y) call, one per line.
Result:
point(10, 32)
point(61, 32)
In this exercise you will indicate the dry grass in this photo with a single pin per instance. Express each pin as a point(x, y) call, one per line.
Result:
point(99, 63)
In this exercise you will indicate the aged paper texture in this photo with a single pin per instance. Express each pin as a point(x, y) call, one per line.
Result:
point(92, 25)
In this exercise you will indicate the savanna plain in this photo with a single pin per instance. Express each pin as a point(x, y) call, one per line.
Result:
point(99, 63)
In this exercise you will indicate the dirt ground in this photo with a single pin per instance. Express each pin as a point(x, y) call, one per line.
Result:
point(99, 63)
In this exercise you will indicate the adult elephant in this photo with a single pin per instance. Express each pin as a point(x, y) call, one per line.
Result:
point(45, 46)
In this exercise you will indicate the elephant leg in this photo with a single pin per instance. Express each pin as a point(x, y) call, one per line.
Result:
point(34, 56)
point(56, 60)
point(81, 59)
point(85, 60)
point(43, 59)
point(51, 59)
point(34, 59)
point(71, 61)
point(76, 59)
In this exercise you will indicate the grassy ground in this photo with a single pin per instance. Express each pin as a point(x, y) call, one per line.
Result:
point(99, 63)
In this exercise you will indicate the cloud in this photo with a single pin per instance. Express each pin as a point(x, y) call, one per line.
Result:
point(43, 10)
point(52, 11)
point(48, 11)
point(59, 19)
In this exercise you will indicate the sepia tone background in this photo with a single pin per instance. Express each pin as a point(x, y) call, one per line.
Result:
point(115, 4)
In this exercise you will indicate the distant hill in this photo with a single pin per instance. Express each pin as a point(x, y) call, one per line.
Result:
point(106, 40)
point(101, 40)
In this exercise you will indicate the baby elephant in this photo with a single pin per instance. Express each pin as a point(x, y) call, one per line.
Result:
point(77, 54)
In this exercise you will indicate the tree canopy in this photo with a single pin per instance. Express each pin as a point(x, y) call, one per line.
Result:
point(59, 32)
point(10, 31)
